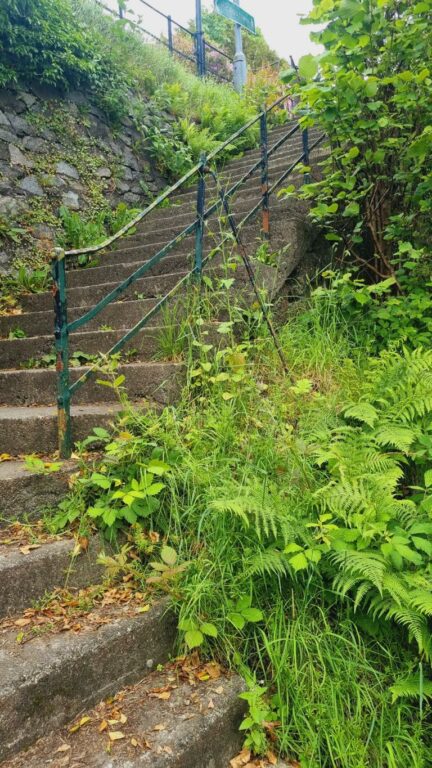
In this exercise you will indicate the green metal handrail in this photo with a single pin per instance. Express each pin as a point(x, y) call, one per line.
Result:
point(63, 328)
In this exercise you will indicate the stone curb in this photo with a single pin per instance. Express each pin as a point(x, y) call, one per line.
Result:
point(46, 682)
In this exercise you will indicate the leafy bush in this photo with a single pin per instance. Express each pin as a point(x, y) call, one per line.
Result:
point(376, 316)
point(51, 42)
point(297, 513)
point(370, 92)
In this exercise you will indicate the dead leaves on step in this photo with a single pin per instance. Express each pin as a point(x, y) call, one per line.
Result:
point(27, 536)
point(246, 760)
point(84, 609)
point(114, 724)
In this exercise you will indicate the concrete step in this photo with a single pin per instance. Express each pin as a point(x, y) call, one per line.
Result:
point(127, 249)
point(197, 727)
point(26, 577)
point(112, 268)
point(23, 494)
point(116, 315)
point(159, 382)
point(292, 147)
point(34, 430)
point(286, 153)
point(175, 226)
point(16, 352)
point(151, 286)
point(48, 681)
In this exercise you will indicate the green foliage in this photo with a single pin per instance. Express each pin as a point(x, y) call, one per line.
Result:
point(9, 232)
point(259, 719)
point(294, 526)
point(370, 92)
point(76, 359)
point(380, 537)
point(50, 41)
point(123, 491)
point(377, 316)
point(23, 280)
point(79, 232)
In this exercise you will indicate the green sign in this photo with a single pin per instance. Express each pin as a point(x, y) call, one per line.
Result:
point(232, 11)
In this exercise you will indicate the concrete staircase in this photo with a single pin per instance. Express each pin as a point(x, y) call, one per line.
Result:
point(27, 397)
point(51, 678)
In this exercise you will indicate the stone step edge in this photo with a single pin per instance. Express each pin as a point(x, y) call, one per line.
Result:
point(48, 681)
point(160, 381)
point(198, 726)
point(26, 576)
point(34, 429)
point(24, 494)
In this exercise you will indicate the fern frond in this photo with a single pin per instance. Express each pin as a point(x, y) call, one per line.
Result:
point(268, 562)
point(365, 565)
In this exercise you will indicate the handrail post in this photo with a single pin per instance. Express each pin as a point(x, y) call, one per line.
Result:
point(121, 9)
point(305, 140)
point(199, 40)
point(170, 34)
point(204, 57)
point(264, 175)
point(62, 354)
point(199, 231)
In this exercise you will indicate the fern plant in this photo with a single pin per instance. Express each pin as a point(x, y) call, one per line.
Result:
point(381, 545)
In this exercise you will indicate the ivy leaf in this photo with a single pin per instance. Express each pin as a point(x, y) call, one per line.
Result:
point(209, 629)
point(155, 489)
point(308, 67)
point(237, 620)
point(194, 638)
point(169, 556)
point(428, 478)
point(157, 467)
point(253, 614)
point(299, 562)
point(352, 209)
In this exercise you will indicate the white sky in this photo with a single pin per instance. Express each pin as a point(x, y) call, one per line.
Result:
point(278, 19)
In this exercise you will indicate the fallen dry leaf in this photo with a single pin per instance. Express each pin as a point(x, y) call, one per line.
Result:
point(103, 726)
point(210, 704)
point(115, 735)
point(241, 760)
point(271, 757)
point(159, 728)
point(134, 743)
point(164, 696)
point(28, 548)
point(84, 721)
point(63, 748)
point(22, 622)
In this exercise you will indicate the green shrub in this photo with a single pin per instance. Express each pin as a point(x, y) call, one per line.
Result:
point(297, 517)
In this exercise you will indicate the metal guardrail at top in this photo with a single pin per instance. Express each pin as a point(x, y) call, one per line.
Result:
point(199, 57)
point(63, 328)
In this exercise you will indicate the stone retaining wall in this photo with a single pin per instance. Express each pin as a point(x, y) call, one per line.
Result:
point(61, 150)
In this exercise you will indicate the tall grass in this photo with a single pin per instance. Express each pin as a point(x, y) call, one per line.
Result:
point(240, 494)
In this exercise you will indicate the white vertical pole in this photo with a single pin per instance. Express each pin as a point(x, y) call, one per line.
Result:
point(240, 66)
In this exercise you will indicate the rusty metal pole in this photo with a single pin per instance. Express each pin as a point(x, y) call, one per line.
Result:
point(62, 354)
point(264, 175)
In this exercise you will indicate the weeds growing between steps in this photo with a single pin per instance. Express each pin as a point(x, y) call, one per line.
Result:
point(289, 520)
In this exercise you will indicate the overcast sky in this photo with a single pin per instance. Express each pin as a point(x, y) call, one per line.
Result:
point(278, 19)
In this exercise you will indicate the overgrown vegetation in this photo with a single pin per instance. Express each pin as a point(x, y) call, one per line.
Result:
point(370, 92)
point(294, 525)
point(64, 45)
point(289, 517)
